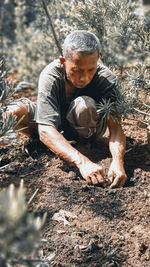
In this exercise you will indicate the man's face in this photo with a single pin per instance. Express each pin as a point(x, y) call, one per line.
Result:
point(80, 69)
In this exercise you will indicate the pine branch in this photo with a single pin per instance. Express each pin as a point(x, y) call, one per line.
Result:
point(141, 112)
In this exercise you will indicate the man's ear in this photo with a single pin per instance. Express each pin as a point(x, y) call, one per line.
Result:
point(62, 61)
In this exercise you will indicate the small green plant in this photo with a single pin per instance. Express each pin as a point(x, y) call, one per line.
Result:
point(131, 97)
point(7, 121)
point(19, 230)
point(6, 88)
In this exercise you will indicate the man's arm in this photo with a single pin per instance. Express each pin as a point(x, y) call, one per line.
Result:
point(117, 143)
point(90, 171)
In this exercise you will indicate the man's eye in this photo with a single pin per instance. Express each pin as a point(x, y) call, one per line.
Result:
point(75, 70)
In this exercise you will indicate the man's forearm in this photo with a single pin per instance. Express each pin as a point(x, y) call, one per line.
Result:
point(116, 174)
point(117, 142)
point(117, 150)
point(59, 145)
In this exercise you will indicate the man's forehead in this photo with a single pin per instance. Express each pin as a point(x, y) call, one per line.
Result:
point(76, 57)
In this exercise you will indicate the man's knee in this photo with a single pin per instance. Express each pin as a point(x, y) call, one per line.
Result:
point(83, 103)
point(20, 110)
point(83, 112)
point(24, 112)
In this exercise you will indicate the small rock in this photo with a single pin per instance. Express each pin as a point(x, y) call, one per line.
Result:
point(111, 264)
point(143, 248)
point(92, 199)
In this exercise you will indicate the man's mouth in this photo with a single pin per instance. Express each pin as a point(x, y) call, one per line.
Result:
point(81, 85)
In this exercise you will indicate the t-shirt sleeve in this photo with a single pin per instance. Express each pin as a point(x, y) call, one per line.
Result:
point(48, 108)
point(110, 93)
point(109, 84)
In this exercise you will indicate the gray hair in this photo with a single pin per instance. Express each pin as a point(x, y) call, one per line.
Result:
point(81, 41)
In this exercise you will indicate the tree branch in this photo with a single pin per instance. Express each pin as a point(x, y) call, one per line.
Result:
point(51, 24)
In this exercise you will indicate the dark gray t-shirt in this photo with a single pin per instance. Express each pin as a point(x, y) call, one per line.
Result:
point(52, 104)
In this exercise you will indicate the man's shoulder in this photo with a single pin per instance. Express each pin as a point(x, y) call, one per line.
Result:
point(51, 77)
point(53, 69)
point(105, 73)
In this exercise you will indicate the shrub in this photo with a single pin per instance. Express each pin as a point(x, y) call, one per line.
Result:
point(7, 121)
point(19, 230)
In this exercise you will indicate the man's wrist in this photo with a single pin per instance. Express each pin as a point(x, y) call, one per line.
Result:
point(118, 161)
point(79, 159)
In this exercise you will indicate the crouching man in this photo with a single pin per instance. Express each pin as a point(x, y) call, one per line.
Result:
point(69, 90)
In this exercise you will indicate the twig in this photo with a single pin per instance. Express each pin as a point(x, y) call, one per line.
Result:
point(31, 198)
point(148, 106)
point(137, 120)
point(28, 261)
point(24, 175)
point(142, 112)
point(21, 129)
point(4, 166)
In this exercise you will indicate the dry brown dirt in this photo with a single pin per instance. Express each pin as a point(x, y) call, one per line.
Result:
point(105, 227)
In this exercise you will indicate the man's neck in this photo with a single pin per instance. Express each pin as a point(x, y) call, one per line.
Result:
point(70, 89)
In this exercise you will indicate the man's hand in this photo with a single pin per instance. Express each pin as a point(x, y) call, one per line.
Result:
point(117, 143)
point(116, 175)
point(92, 173)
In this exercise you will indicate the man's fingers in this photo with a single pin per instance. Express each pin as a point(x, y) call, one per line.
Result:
point(96, 178)
point(101, 180)
point(122, 181)
point(119, 181)
point(88, 179)
point(115, 183)
point(102, 173)
point(110, 178)
point(92, 180)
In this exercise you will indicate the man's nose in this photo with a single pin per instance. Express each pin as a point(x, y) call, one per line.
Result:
point(84, 78)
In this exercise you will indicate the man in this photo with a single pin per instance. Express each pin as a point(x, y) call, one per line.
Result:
point(69, 90)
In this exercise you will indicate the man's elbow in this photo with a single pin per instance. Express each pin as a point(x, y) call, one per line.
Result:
point(42, 133)
point(46, 132)
point(114, 125)
point(41, 137)
point(116, 131)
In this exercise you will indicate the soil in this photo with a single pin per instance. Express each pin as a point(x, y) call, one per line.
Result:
point(96, 226)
